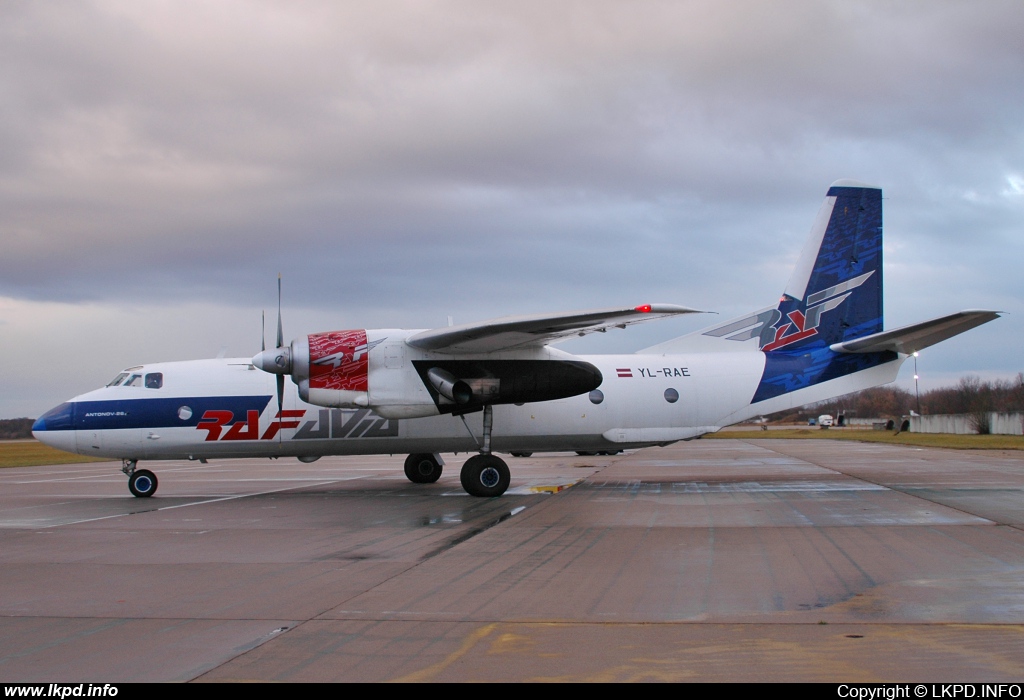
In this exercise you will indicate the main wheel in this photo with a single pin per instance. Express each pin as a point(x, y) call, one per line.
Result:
point(486, 476)
point(142, 483)
point(422, 469)
point(520, 454)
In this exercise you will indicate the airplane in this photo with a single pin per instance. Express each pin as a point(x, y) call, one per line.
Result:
point(501, 386)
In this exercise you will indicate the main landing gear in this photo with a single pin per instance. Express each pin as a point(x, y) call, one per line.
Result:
point(141, 482)
point(423, 468)
point(484, 475)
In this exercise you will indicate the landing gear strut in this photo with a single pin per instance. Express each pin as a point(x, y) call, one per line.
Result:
point(485, 475)
point(141, 482)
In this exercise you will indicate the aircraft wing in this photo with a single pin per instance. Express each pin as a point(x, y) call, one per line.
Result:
point(540, 329)
point(910, 339)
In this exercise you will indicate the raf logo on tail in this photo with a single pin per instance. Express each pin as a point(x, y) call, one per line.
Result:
point(773, 335)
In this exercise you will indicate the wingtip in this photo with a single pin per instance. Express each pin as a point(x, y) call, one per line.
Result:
point(668, 309)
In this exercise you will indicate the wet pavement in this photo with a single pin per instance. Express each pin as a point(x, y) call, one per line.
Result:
point(710, 560)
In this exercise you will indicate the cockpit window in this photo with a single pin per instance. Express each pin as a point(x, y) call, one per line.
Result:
point(154, 380)
point(134, 380)
point(117, 380)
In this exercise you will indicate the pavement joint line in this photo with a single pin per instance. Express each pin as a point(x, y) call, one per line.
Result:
point(109, 475)
point(426, 557)
point(182, 505)
point(414, 617)
point(905, 491)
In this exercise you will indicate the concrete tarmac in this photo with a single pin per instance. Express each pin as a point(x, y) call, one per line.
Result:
point(714, 560)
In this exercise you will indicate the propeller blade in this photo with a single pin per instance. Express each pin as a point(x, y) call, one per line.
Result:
point(280, 343)
point(263, 332)
point(280, 332)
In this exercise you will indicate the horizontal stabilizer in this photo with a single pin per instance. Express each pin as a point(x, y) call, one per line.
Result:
point(919, 336)
point(538, 329)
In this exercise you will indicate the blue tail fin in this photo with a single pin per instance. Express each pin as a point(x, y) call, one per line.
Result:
point(836, 290)
point(835, 295)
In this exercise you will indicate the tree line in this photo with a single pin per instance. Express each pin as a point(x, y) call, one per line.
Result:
point(970, 396)
point(15, 428)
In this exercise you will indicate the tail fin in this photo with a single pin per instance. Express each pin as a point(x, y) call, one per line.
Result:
point(834, 296)
point(828, 325)
point(835, 293)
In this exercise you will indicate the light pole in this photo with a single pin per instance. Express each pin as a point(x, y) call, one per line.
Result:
point(917, 390)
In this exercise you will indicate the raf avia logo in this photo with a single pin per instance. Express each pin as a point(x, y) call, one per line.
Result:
point(331, 423)
point(774, 332)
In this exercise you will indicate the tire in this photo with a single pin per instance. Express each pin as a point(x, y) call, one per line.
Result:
point(521, 454)
point(422, 469)
point(142, 483)
point(583, 453)
point(485, 476)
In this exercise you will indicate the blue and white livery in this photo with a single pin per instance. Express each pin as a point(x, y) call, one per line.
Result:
point(501, 386)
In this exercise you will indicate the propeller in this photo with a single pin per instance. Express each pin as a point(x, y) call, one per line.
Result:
point(280, 332)
point(279, 360)
point(280, 344)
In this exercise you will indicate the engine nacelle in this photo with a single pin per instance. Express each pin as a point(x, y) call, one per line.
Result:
point(335, 369)
point(332, 369)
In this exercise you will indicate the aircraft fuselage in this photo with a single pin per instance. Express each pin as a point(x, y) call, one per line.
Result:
point(215, 409)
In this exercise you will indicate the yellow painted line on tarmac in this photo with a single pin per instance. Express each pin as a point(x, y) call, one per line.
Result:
point(552, 489)
point(428, 673)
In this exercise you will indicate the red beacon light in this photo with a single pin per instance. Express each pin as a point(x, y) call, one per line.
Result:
point(643, 308)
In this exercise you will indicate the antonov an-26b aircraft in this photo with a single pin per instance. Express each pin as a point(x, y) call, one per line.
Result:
point(501, 386)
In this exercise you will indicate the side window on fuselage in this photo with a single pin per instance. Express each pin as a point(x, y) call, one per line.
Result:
point(154, 380)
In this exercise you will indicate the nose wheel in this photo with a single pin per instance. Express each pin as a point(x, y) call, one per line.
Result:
point(141, 482)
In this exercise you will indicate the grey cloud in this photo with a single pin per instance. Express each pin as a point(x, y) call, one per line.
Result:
point(491, 158)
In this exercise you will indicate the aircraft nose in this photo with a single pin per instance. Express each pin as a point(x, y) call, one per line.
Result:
point(57, 418)
point(56, 428)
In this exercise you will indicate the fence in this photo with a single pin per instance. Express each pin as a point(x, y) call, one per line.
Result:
point(966, 423)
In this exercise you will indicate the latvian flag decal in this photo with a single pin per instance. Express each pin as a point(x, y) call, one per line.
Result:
point(626, 373)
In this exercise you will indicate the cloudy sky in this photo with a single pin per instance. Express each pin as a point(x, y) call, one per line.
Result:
point(399, 162)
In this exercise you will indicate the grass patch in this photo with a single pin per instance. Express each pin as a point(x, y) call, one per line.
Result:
point(31, 453)
point(958, 442)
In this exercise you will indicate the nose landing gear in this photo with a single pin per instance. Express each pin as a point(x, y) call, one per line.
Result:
point(141, 482)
